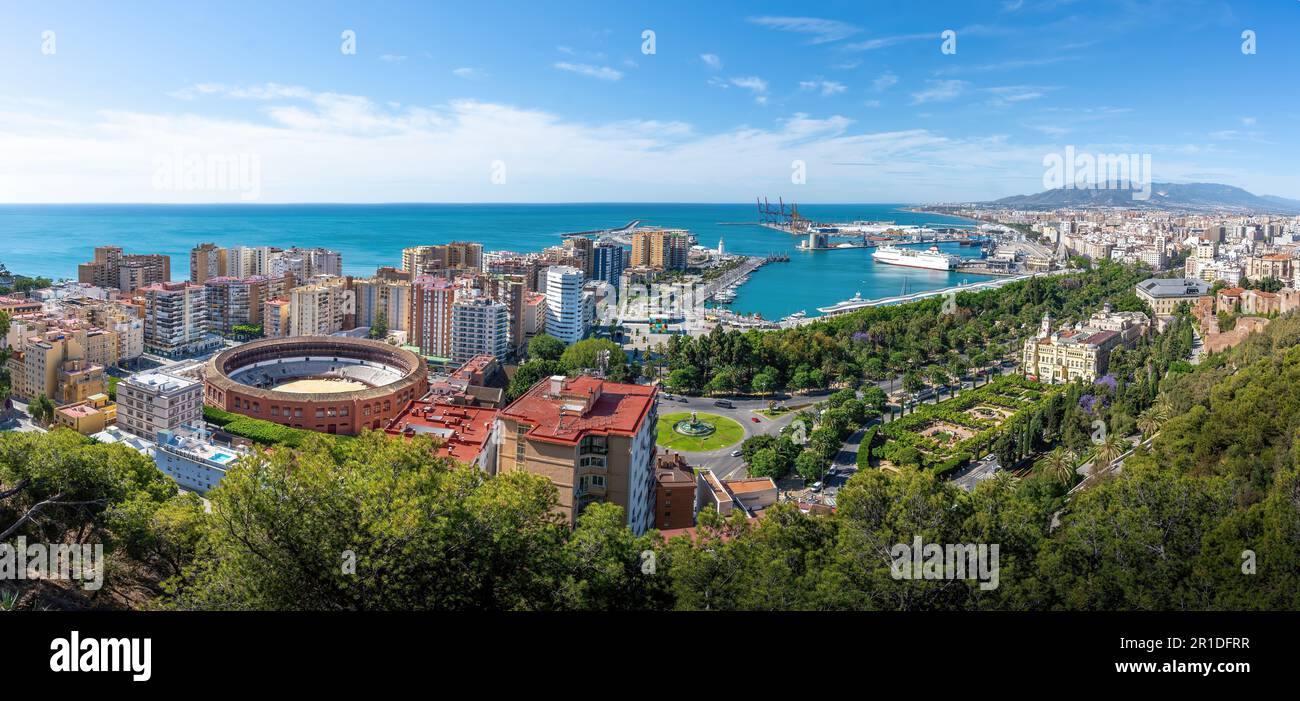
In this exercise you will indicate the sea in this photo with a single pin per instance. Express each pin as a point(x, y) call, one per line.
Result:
point(51, 240)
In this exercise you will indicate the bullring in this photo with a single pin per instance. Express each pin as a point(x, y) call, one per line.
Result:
point(329, 384)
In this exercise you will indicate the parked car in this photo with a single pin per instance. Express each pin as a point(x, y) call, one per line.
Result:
point(735, 453)
point(816, 486)
point(754, 419)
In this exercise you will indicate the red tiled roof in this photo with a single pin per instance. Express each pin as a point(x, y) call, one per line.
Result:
point(585, 406)
point(462, 430)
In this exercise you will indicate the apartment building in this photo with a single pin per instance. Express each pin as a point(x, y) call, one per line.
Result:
point(431, 315)
point(77, 380)
point(608, 261)
point(234, 302)
point(512, 291)
point(150, 402)
point(321, 308)
point(207, 261)
point(436, 260)
point(566, 317)
point(87, 417)
point(112, 269)
point(467, 434)
point(306, 263)
point(534, 315)
point(382, 298)
point(593, 439)
point(479, 326)
point(176, 319)
point(275, 317)
point(53, 364)
point(661, 249)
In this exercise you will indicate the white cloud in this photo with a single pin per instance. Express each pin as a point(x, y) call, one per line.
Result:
point(883, 42)
point(712, 61)
point(1248, 121)
point(392, 58)
point(754, 84)
point(825, 87)
point(1007, 95)
point(598, 72)
point(884, 82)
point(468, 73)
point(333, 147)
point(939, 91)
point(822, 30)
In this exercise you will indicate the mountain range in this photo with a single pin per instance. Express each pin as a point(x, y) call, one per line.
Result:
point(1191, 197)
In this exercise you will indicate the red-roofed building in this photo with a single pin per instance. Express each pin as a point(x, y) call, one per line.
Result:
point(595, 441)
point(467, 434)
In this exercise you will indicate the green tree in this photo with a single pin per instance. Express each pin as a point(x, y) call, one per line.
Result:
point(586, 355)
point(376, 523)
point(767, 462)
point(1059, 465)
point(529, 374)
point(379, 329)
point(545, 347)
point(810, 465)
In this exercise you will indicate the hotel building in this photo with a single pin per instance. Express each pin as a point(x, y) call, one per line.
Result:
point(192, 460)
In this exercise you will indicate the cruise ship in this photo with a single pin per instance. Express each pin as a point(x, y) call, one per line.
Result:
point(931, 259)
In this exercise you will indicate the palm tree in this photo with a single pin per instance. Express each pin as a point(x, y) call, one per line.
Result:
point(1148, 422)
point(1163, 408)
point(1108, 451)
point(1059, 464)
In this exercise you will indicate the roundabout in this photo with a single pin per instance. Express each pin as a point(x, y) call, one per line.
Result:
point(695, 432)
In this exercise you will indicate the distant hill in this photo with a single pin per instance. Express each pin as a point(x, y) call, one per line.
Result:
point(1192, 197)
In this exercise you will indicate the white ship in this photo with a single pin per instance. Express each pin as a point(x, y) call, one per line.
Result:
point(932, 259)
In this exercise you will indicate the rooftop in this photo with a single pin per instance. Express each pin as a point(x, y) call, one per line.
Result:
point(462, 430)
point(160, 381)
point(562, 410)
point(1173, 287)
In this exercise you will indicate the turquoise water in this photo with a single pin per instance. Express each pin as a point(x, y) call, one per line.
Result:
point(50, 240)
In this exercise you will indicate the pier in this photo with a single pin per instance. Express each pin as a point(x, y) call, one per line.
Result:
point(903, 299)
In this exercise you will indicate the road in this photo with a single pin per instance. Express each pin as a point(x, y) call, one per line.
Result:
point(742, 411)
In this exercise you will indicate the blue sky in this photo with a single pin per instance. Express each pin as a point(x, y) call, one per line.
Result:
point(556, 101)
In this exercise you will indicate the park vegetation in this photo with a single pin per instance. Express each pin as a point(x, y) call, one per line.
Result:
point(920, 341)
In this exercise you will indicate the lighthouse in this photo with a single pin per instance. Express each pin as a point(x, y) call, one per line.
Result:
point(721, 250)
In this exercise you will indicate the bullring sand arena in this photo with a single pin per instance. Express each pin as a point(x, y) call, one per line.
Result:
point(319, 386)
point(321, 383)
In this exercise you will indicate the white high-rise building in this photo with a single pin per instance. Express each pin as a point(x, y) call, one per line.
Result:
point(479, 326)
point(565, 317)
